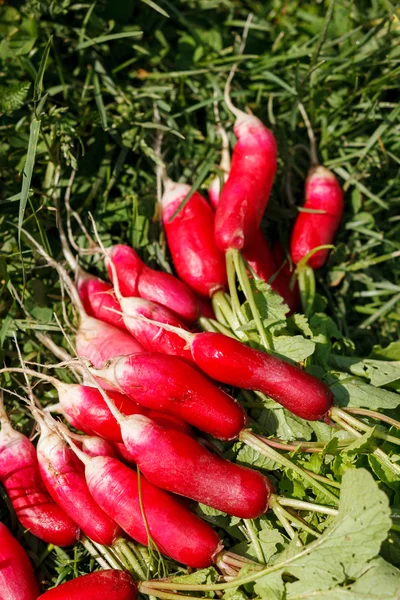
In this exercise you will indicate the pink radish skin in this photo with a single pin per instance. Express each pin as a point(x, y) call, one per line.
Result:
point(231, 362)
point(96, 446)
point(64, 479)
point(257, 251)
point(206, 309)
point(101, 585)
point(98, 341)
point(182, 391)
point(20, 476)
point(260, 257)
point(123, 453)
point(86, 410)
point(311, 230)
point(151, 337)
point(175, 530)
point(191, 241)
point(245, 194)
point(137, 279)
point(177, 463)
point(17, 579)
point(99, 300)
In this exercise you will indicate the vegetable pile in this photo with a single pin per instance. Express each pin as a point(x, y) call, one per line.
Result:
point(185, 416)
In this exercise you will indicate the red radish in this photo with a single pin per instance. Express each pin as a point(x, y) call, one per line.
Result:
point(95, 340)
point(122, 453)
point(229, 361)
point(181, 391)
point(260, 257)
point(99, 300)
point(101, 585)
point(174, 529)
point(84, 408)
point(245, 194)
point(206, 309)
point(93, 445)
point(20, 476)
point(191, 240)
point(64, 479)
point(151, 337)
point(17, 579)
point(137, 279)
point(322, 193)
point(177, 463)
point(98, 341)
point(257, 251)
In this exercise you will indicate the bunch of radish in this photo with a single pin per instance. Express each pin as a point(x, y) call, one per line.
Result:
point(151, 383)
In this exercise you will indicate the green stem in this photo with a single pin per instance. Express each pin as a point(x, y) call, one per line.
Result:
point(310, 506)
point(307, 288)
point(373, 414)
point(281, 516)
point(220, 302)
point(134, 564)
point(243, 278)
point(300, 523)
point(107, 553)
point(323, 479)
point(251, 440)
point(360, 425)
point(87, 544)
point(236, 306)
point(253, 535)
point(380, 455)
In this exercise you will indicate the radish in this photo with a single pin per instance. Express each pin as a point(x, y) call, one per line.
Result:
point(149, 336)
point(64, 479)
point(245, 194)
point(181, 391)
point(99, 300)
point(85, 409)
point(101, 585)
point(229, 361)
point(260, 258)
point(137, 279)
point(177, 463)
point(257, 251)
point(20, 476)
point(98, 341)
point(95, 340)
point(191, 241)
point(93, 445)
point(324, 194)
point(17, 579)
point(143, 510)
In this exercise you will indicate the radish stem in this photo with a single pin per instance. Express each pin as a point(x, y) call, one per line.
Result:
point(88, 545)
point(243, 278)
point(251, 440)
point(360, 425)
point(252, 533)
point(300, 523)
point(310, 506)
point(373, 414)
point(380, 455)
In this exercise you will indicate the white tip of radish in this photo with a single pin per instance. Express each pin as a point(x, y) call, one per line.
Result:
point(173, 191)
point(320, 172)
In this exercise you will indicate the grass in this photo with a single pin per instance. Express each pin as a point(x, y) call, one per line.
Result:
point(79, 83)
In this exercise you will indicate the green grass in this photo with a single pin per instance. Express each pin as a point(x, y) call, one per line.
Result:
point(78, 86)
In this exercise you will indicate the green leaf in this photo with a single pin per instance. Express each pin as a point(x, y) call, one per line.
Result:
point(293, 347)
point(343, 552)
point(27, 171)
point(270, 305)
point(12, 97)
point(379, 372)
point(354, 392)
